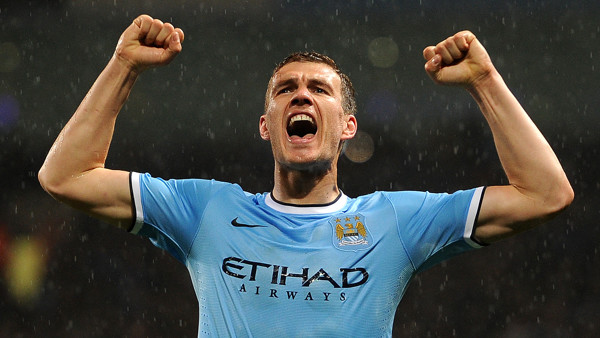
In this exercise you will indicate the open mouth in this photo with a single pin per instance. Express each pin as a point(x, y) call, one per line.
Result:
point(301, 125)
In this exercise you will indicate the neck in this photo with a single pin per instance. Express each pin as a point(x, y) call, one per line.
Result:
point(316, 186)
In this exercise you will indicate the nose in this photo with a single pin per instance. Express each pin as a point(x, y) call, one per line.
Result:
point(302, 97)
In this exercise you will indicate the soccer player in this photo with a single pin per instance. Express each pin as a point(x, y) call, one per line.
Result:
point(304, 259)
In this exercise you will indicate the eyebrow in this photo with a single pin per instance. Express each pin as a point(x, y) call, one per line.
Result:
point(294, 80)
point(321, 83)
point(284, 83)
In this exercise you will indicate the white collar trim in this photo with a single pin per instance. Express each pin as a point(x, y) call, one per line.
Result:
point(307, 209)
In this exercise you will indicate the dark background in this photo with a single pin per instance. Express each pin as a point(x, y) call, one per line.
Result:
point(65, 274)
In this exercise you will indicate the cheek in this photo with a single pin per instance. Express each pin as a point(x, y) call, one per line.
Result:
point(268, 106)
point(273, 129)
point(271, 104)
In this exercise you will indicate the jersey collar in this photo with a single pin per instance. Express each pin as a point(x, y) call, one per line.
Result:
point(306, 209)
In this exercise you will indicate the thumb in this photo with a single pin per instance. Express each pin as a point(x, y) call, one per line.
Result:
point(428, 53)
point(433, 65)
point(174, 41)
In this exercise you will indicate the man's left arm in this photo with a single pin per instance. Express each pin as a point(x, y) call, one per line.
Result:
point(538, 187)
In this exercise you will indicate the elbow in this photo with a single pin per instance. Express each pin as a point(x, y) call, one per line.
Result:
point(49, 183)
point(562, 198)
point(44, 180)
point(568, 196)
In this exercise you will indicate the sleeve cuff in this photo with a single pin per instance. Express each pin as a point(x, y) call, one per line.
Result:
point(136, 199)
point(472, 216)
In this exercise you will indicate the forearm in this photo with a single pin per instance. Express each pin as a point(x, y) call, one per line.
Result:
point(538, 187)
point(528, 160)
point(84, 141)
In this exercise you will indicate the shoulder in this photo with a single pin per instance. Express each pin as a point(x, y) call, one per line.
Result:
point(182, 184)
point(193, 190)
point(427, 197)
point(416, 201)
point(393, 197)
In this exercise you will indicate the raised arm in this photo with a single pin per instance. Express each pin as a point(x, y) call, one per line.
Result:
point(73, 171)
point(538, 187)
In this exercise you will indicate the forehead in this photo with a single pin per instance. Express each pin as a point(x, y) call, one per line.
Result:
point(308, 71)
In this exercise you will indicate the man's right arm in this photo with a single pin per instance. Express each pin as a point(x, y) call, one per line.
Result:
point(74, 171)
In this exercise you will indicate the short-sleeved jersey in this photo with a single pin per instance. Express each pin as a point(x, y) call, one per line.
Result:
point(264, 268)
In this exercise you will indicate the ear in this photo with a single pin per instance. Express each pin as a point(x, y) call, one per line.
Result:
point(262, 127)
point(350, 127)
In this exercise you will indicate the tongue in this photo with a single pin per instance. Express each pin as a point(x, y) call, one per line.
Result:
point(305, 137)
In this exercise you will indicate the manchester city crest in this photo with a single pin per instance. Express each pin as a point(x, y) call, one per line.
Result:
point(350, 232)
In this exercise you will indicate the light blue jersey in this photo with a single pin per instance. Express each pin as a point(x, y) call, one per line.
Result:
point(263, 268)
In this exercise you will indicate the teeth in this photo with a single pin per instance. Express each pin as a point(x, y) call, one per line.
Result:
point(301, 117)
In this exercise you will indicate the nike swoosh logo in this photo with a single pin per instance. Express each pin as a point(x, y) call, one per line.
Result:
point(235, 223)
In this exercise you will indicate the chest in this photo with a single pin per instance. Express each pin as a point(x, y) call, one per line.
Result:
point(251, 243)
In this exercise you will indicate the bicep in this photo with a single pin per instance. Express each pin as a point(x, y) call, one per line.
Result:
point(101, 193)
point(506, 211)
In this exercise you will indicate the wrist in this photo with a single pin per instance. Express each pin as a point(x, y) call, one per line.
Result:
point(122, 73)
point(489, 80)
point(124, 65)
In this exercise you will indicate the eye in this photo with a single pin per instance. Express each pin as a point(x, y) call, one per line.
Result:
point(284, 90)
point(320, 90)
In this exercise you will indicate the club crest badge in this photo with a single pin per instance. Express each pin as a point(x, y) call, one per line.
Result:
point(350, 232)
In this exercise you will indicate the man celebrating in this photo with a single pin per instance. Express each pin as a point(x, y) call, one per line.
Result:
point(304, 259)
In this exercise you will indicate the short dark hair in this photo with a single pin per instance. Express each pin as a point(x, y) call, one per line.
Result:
point(348, 93)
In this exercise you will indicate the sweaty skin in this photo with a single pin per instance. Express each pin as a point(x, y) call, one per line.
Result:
point(306, 161)
point(538, 187)
point(74, 171)
point(306, 167)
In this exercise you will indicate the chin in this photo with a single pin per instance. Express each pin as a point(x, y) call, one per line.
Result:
point(313, 167)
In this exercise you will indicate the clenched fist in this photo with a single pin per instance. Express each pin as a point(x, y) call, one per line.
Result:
point(459, 60)
point(148, 42)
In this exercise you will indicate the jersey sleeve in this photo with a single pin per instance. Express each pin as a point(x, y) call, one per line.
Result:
point(440, 226)
point(169, 212)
